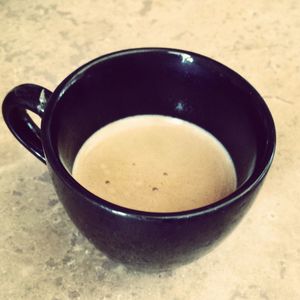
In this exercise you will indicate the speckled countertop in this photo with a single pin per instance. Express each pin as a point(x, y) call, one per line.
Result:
point(42, 255)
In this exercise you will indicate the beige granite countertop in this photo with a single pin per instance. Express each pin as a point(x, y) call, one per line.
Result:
point(42, 255)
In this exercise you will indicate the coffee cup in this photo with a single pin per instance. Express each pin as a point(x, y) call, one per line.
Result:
point(147, 81)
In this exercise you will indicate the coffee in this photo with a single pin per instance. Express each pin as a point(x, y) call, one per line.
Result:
point(155, 163)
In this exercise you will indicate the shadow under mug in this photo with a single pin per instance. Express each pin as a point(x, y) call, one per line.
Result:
point(143, 81)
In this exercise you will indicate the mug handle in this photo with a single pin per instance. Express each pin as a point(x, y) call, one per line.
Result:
point(14, 109)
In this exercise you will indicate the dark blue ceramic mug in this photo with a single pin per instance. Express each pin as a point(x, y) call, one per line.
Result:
point(143, 81)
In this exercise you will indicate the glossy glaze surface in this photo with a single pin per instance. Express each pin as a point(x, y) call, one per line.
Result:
point(166, 82)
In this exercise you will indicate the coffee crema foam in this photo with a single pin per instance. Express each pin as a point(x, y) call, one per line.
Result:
point(155, 163)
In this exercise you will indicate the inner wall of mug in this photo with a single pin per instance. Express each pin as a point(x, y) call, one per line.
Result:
point(192, 88)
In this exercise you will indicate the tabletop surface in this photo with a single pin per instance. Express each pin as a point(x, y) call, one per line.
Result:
point(42, 255)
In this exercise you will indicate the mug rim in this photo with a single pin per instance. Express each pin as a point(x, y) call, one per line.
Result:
point(52, 158)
